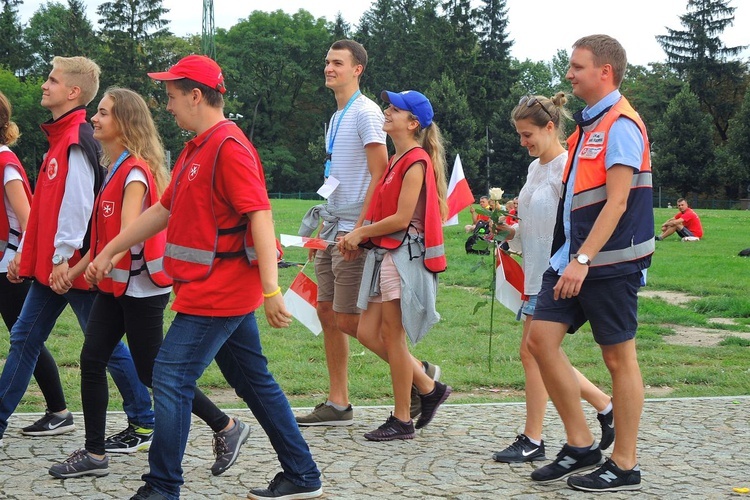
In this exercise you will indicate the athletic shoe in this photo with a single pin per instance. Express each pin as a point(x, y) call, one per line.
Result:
point(567, 463)
point(282, 488)
point(146, 492)
point(50, 425)
point(130, 440)
point(227, 446)
point(78, 464)
point(392, 429)
point(691, 238)
point(521, 450)
point(658, 238)
point(432, 371)
point(608, 477)
point(607, 423)
point(324, 414)
point(431, 402)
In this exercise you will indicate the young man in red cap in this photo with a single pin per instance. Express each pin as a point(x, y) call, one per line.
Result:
point(222, 255)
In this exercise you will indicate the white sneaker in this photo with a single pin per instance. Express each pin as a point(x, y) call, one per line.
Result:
point(691, 238)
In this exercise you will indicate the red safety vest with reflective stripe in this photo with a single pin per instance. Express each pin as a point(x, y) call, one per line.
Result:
point(385, 203)
point(194, 240)
point(9, 159)
point(107, 224)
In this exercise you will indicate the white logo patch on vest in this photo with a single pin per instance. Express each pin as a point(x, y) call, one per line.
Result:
point(52, 169)
point(193, 171)
point(108, 208)
point(596, 138)
point(589, 153)
point(390, 177)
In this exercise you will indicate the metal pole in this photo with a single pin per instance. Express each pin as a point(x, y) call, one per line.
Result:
point(487, 137)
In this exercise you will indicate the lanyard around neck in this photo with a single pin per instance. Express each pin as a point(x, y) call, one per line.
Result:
point(332, 135)
point(120, 160)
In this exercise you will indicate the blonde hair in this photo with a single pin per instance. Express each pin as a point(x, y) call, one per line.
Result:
point(9, 132)
point(138, 133)
point(80, 72)
point(544, 110)
point(606, 50)
point(431, 141)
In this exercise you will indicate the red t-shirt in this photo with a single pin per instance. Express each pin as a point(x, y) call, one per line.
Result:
point(691, 222)
point(233, 288)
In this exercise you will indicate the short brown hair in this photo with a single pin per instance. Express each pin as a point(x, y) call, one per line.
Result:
point(212, 96)
point(356, 49)
point(606, 50)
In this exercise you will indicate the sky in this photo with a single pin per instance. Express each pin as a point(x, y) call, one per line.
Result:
point(538, 27)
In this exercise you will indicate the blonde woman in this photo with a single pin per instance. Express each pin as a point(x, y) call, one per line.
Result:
point(399, 283)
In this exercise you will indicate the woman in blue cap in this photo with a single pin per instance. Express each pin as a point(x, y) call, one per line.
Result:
point(403, 227)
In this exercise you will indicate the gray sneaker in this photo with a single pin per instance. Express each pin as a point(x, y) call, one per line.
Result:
point(432, 371)
point(80, 463)
point(324, 414)
point(227, 446)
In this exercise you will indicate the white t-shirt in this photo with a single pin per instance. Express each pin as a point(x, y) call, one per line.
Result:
point(141, 286)
point(361, 125)
point(537, 210)
point(10, 174)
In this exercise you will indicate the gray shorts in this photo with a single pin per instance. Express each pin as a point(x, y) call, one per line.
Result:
point(338, 279)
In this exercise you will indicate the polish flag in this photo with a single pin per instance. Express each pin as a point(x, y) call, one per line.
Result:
point(289, 240)
point(509, 281)
point(459, 194)
point(302, 300)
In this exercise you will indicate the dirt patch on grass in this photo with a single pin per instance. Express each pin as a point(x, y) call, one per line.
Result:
point(670, 297)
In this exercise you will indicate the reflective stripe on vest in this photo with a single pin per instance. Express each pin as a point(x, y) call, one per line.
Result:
point(599, 194)
point(633, 252)
point(123, 275)
point(187, 254)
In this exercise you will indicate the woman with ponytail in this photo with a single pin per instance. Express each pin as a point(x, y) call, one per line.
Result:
point(539, 122)
point(403, 229)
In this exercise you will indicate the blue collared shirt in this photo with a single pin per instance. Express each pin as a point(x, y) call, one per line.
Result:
point(624, 147)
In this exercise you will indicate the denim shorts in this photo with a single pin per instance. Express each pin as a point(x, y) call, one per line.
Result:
point(527, 307)
point(610, 305)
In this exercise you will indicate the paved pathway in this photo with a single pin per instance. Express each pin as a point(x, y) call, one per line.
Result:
point(690, 448)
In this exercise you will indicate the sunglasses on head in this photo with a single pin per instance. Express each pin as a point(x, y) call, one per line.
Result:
point(530, 100)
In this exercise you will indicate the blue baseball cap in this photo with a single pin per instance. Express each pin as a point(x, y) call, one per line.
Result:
point(412, 101)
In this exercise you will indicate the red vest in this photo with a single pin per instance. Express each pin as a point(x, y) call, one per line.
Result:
point(385, 203)
point(107, 224)
point(194, 239)
point(38, 243)
point(9, 159)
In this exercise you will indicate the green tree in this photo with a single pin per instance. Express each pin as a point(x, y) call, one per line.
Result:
point(59, 30)
point(273, 64)
point(129, 31)
point(14, 53)
point(683, 149)
point(699, 56)
point(734, 172)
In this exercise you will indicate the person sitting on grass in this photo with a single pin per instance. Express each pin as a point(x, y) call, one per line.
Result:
point(685, 223)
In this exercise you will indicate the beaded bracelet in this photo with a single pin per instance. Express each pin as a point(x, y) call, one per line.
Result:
point(275, 292)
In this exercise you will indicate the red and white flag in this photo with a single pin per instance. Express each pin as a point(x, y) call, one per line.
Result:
point(459, 193)
point(509, 281)
point(302, 301)
point(289, 240)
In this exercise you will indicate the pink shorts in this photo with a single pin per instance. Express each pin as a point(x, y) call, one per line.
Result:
point(390, 281)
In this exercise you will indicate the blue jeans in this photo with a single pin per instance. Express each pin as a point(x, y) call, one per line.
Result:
point(190, 345)
point(40, 311)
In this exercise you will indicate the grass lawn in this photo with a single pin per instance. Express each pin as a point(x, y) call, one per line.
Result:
point(710, 270)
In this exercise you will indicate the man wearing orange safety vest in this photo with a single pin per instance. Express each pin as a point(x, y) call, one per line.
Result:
point(603, 243)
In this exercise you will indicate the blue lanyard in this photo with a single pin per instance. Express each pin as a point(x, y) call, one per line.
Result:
point(332, 135)
point(117, 164)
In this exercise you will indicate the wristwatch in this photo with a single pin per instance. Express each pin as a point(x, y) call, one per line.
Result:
point(58, 259)
point(582, 259)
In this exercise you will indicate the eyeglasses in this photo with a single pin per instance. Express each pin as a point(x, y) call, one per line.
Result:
point(530, 100)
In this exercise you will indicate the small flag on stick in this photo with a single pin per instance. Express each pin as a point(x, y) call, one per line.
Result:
point(508, 281)
point(289, 240)
point(302, 301)
point(459, 193)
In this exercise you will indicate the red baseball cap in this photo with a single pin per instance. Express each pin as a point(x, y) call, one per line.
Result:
point(202, 69)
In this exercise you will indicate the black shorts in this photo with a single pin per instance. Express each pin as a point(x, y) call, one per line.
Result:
point(610, 305)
